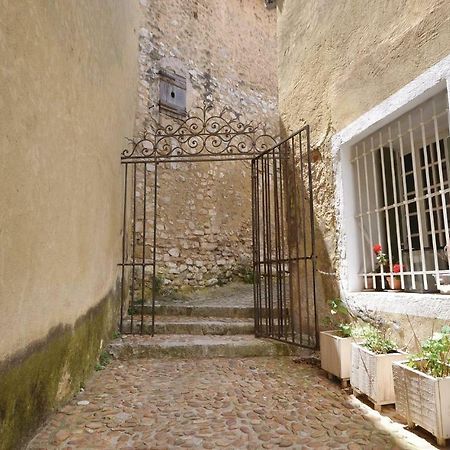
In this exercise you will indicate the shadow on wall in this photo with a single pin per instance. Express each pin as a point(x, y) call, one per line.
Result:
point(300, 243)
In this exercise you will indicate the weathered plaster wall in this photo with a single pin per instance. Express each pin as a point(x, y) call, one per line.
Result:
point(227, 53)
point(68, 80)
point(336, 61)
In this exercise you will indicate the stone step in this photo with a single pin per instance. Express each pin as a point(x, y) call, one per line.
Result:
point(198, 310)
point(191, 325)
point(188, 346)
point(192, 310)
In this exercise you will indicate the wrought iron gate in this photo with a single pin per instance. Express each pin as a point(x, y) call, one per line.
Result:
point(284, 257)
point(284, 301)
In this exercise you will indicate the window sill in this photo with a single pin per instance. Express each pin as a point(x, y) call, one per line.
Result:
point(423, 305)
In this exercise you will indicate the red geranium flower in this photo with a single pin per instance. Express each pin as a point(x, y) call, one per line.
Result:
point(377, 248)
point(397, 268)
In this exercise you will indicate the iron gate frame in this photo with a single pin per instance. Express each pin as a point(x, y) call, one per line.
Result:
point(276, 193)
point(201, 137)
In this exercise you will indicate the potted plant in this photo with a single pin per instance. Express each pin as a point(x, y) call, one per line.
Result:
point(395, 283)
point(382, 262)
point(336, 344)
point(371, 370)
point(422, 386)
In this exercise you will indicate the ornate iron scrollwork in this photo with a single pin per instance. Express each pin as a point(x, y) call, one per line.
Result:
point(202, 135)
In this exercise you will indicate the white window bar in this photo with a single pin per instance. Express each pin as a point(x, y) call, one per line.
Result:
point(431, 211)
point(418, 202)
point(377, 203)
point(410, 184)
point(441, 178)
point(408, 225)
point(396, 207)
point(386, 213)
point(367, 209)
point(363, 244)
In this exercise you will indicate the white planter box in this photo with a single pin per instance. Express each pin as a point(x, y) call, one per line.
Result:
point(336, 354)
point(371, 374)
point(423, 400)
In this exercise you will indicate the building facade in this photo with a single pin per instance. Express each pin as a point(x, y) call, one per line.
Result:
point(193, 54)
point(375, 91)
point(68, 97)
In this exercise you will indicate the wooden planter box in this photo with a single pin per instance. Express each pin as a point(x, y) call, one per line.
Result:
point(423, 400)
point(336, 355)
point(371, 375)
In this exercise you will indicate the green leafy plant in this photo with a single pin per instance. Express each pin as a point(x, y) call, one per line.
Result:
point(433, 357)
point(132, 310)
point(103, 360)
point(246, 274)
point(340, 317)
point(376, 341)
point(345, 329)
point(116, 334)
point(159, 283)
point(360, 329)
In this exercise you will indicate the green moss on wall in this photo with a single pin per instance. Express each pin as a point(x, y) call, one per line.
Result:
point(47, 373)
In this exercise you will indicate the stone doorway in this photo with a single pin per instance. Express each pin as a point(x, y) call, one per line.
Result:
point(283, 266)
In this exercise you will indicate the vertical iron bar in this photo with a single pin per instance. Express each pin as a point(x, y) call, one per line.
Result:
point(282, 237)
point(297, 240)
point(313, 235)
point(289, 208)
point(144, 226)
point(133, 270)
point(254, 240)
point(279, 326)
point(124, 241)
point(305, 246)
point(269, 243)
point(258, 248)
point(264, 239)
point(155, 204)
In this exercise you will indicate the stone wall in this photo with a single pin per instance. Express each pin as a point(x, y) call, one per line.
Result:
point(226, 52)
point(68, 83)
point(337, 60)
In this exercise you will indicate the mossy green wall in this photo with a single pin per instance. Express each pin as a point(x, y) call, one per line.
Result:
point(46, 374)
point(68, 96)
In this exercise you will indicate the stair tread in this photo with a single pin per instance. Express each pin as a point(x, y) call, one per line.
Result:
point(189, 339)
point(197, 346)
point(194, 319)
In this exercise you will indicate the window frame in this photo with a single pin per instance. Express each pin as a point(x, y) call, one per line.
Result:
point(429, 83)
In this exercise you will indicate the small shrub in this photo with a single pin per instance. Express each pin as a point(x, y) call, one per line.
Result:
point(339, 317)
point(377, 341)
point(132, 310)
point(433, 357)
point(245, 273)
point(159, 283)
point(345, 329)
point(103, 360)
point(116, 334)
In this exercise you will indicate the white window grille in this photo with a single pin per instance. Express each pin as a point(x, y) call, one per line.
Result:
point(403, 198)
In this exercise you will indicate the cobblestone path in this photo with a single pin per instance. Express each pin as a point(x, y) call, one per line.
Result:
point(218, 403)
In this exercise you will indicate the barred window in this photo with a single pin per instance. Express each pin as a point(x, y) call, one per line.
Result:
point(403, 195)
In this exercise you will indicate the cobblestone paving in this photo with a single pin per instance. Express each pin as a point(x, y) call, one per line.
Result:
point(218, 403)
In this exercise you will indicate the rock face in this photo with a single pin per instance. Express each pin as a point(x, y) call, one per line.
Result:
point(204, 209)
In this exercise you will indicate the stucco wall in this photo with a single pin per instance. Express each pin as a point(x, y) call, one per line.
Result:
point(68, 80)
point(67, 92)
point(337, 60)
point(227, 53)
